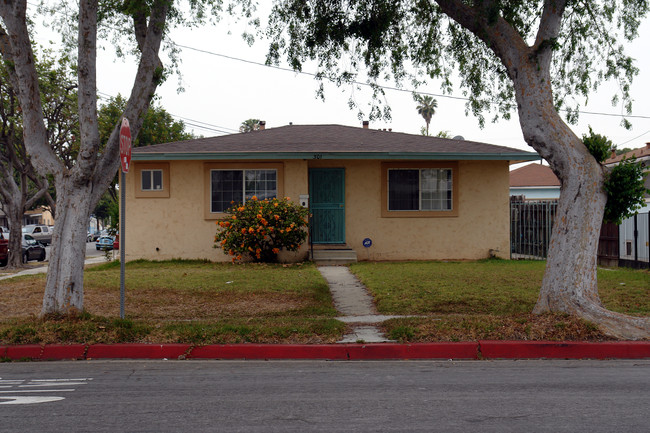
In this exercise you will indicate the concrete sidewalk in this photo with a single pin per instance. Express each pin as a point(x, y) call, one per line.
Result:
point(355, 304)
point(43, 269)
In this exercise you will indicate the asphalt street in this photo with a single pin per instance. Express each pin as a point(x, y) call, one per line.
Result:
point(321, 396)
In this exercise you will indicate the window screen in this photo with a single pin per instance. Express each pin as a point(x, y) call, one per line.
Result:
point(427, 189)
point(152, 180)
point(237, 186)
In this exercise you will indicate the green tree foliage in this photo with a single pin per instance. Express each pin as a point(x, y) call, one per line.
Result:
point(259, 229)
point(382, 39)
point(623, 150)
point(598, 145)
point(625, 190)
point(249, 125)
point(158, 127)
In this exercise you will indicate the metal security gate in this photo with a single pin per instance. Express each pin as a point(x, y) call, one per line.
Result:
point(531, 225)
point(327, 197)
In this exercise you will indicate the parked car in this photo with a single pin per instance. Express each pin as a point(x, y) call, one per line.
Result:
point(41, 233)
point(94, 235)
point(32, 249)
point(104, 243)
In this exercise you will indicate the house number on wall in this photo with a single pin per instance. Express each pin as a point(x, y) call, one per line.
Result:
point(318, 156)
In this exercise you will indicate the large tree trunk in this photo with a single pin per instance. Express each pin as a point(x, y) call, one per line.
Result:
point(64, 286)
point(570, 282)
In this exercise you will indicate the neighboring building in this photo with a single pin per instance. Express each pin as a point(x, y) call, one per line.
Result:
point(535, 182)
point(40, 215)
point(414, 197)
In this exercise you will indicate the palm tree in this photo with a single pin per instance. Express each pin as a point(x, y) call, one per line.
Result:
point(249, 125)
point(426, 108)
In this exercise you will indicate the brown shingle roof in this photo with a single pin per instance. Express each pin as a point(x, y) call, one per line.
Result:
point(638, 153)
point(533, 175)
point(323, 139)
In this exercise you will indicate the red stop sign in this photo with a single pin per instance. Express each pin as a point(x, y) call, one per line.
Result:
point(125, 145)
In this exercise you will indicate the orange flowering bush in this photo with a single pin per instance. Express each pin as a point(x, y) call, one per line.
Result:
point(259, 229)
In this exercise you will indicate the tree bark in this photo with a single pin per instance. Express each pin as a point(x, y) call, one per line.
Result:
point(64, 287)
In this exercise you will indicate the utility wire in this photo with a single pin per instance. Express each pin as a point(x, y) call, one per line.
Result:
point(190, 122)
point(397, 89)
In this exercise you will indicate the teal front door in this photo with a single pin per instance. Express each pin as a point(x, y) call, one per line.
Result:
point(327, 205)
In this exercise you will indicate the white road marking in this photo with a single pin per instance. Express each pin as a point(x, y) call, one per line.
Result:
point(29, 400)
point(36, 386)
point(37, 390)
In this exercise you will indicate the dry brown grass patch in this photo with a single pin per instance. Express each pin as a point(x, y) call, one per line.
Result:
point(552, 327)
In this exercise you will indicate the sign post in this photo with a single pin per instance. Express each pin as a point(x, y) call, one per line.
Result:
point(125, 162)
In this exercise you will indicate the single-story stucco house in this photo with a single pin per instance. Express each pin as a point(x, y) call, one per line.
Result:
point(382, 195)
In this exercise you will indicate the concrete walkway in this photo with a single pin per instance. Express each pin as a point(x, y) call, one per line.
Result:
point(43, 269)
point(355, 305)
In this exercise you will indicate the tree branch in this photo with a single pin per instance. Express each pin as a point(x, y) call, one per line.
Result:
point(485, 22)
point(20, 51)
point(549, 29)
point(87, 95)
point(144, 87)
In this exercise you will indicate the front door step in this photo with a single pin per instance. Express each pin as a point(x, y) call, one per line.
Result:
point(333, 256)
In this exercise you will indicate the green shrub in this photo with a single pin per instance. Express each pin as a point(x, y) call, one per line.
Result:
point(259, 229)
point(598, 145)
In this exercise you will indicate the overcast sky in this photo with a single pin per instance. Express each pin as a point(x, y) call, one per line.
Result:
point(221, 92)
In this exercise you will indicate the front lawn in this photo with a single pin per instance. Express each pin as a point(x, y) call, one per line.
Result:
point(199, 303)
point(488, 299)
point(180, 301)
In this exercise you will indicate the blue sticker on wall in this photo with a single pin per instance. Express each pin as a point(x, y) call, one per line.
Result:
point(367, 242)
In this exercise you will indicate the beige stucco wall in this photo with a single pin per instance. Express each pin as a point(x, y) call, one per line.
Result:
point(482, 223)
point(175, 227)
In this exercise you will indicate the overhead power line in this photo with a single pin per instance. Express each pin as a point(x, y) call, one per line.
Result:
point(396, 89)
point(190, 122)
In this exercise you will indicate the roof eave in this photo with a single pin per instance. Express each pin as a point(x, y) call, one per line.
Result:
point(169, 156)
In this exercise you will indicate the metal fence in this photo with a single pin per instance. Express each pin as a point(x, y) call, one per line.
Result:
point(531, 224)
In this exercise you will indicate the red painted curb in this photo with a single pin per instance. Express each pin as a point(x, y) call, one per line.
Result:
point(465, 350)
point(137, 351)
point(28, 351)
point(269, 351)
point(565, 349)
point(60, 351)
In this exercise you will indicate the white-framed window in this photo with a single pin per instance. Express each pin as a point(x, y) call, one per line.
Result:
point(238, 186)
point(420, 189)
point(151, 180)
